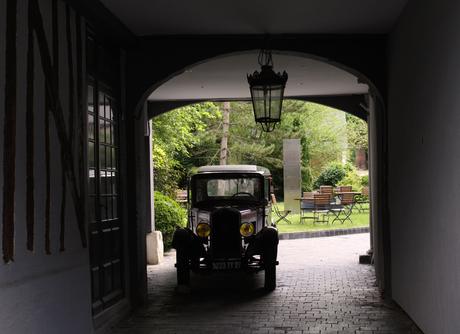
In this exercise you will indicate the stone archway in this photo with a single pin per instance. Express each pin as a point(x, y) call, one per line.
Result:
point(374, 111)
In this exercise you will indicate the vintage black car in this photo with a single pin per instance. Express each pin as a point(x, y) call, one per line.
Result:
point(229, 225)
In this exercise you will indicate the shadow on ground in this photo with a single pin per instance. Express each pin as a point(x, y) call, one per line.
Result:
point(321, 289)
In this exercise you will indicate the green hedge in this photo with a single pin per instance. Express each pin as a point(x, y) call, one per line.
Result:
point(168, 216)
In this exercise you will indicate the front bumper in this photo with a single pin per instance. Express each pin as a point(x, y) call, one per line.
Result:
point(251, 259)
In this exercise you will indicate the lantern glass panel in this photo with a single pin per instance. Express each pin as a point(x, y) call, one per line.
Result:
point(258, 102)
point(267, 103)
point(276, 100)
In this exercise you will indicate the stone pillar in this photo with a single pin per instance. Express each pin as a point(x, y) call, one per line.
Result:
point(291, 172)
point(154, 247)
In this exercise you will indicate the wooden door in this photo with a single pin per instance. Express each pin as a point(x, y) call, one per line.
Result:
point(105, 228)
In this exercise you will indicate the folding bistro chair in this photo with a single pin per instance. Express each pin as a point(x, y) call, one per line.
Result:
point(343, 210)
point(318, 205)
point(344, 189)
point(281, 214)
point(362, 200)
point(322, 205)
point(307, 205)
point(327, 190)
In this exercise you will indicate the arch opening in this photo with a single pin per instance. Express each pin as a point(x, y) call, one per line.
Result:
point(223, 79)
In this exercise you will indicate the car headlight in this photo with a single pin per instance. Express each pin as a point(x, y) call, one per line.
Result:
point(203, 230)
point(246, 229)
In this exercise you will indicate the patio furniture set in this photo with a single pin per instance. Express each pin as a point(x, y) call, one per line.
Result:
point(336, 202)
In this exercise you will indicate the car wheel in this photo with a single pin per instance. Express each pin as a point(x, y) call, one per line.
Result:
point(270, 277)
point(270, 268)
point(269, 255)
point(182, 266)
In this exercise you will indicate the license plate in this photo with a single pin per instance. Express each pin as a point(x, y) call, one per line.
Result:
point(226, 265)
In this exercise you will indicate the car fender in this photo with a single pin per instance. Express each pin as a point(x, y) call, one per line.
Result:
point(266, 239)
point(181, 238)
point(270, 240)
point(269, 236)
point(185, 240)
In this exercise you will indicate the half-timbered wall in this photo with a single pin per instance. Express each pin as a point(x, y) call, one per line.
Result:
point(44, 275)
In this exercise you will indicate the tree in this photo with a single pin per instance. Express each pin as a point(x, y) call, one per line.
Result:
point(225, 125)
point(174, 134)
point(322, 131)
point(357, 133)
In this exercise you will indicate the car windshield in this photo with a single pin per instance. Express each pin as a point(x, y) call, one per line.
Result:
point(229, 188)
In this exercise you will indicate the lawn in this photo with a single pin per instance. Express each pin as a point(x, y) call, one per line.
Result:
point(358, 220)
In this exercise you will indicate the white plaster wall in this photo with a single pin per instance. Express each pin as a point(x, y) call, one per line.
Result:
point(41, 293)
point(46, 301)
point(424, 165)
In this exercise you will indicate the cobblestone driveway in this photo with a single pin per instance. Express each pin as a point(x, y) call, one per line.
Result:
point(321, 289)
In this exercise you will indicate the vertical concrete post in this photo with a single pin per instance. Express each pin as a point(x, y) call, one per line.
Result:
point(373, 178)
point(371, 139)
point(151, 171)
point(371, 144)
point(154, 239)
point(378, 194)
point(291, 174)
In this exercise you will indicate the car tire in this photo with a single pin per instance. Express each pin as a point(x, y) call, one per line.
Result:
point(182, 266)
point(270, 268)
point(269, 255)
point(270, 277)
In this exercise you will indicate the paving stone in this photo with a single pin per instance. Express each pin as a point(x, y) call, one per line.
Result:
point(321, 289)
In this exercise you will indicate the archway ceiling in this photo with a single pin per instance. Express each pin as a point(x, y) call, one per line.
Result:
point(225, 78)
point(207, 17)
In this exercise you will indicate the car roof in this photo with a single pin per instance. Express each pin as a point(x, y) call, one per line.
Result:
point(233, 169)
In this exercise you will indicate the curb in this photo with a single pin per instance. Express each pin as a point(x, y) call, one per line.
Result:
point(321, 234)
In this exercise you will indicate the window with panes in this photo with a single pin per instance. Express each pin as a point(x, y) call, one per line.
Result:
point(105, 226)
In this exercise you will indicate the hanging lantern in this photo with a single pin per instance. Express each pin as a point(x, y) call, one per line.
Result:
point(267, 92)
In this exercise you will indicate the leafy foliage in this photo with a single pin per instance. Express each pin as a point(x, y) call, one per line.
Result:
point(174, 134)
point(337, 174)
point(321, 130)
point(331, 175)
point(351, 178)
point(356, 132)
point(365, 180)
point(189, 137)
point(168, 216)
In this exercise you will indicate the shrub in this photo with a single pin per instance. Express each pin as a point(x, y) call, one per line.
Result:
point(351, 178)
point(331, 175)
point(168, 216)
